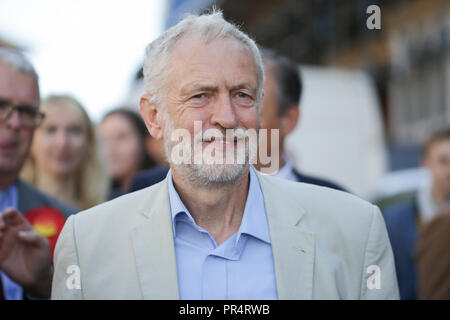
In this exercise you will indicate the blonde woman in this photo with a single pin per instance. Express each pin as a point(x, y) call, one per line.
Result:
point(64, 158)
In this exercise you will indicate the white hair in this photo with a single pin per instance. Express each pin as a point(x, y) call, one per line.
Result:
point(207, 26)
point(17, 61)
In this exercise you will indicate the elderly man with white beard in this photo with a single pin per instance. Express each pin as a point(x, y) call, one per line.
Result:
point(219, 230)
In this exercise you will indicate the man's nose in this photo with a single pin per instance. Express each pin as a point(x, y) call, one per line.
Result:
point(14, 121)
point(224, 113)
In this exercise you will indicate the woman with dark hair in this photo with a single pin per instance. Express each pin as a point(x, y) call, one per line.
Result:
point(124, 136)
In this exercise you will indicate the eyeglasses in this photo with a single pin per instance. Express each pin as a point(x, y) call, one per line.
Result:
point(30, 116)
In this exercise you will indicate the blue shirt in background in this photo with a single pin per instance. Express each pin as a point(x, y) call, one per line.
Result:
point(9, 199)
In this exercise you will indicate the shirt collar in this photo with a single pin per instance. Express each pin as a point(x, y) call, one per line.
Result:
point(286, 171)
point(8, 197)
point(254, 221)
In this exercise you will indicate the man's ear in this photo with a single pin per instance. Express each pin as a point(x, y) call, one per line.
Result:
point(152, 116)
point(289, 119)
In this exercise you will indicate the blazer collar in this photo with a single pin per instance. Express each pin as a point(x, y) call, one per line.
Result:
point(154, 247)
point(293, 245)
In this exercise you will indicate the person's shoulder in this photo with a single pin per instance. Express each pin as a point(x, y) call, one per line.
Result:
point(400, 208)
point(304, 188)
point(324, 207)
point(123, 208)
point(338, 219)
point(148, 178)
point(399, 213)
point(311, 195)
point(114, 219)
point(318, 181)
point(30, 198)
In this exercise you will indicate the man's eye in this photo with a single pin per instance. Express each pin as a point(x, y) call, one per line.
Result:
point(199, 99)
point(244, 98)
point(199, 96)
point(28, 111)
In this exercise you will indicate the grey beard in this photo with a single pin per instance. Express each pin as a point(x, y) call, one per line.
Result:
point(205, 175)
point(198, 176)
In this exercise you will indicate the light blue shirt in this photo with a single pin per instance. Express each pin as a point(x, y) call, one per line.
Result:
point(286, 171)
point(9, 199)
point(240, 268)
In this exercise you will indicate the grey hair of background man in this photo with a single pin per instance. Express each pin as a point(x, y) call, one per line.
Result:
point(17, 61)
point(207, 26)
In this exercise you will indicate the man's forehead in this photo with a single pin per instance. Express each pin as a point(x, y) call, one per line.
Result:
point(17, 86)
point(193, 47)
point(196, 59)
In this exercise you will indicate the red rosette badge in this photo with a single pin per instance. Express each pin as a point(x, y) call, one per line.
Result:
point(48, 222)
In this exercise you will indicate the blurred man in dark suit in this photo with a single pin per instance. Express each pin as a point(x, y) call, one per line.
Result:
point(280, 111)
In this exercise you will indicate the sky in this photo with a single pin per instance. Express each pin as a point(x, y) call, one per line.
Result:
point(90, 49)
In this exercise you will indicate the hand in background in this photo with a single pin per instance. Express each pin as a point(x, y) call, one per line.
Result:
point(25, 255)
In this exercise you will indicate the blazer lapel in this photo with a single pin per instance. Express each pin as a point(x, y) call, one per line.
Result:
point(292, 245)
point(153, 247)
point(27, 197)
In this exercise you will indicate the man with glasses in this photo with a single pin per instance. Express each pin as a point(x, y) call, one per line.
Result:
point(25, 258)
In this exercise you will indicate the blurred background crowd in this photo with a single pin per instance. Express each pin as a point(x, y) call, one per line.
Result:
point(374, 116)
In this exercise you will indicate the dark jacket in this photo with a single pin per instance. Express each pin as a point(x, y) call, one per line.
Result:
point(317, 181)
point(155, 175)
point(31, 198)
point(433, 259)
point(401, 224)
point(148, 178)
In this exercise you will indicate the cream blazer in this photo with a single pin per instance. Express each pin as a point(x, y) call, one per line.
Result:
point(326, 244)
